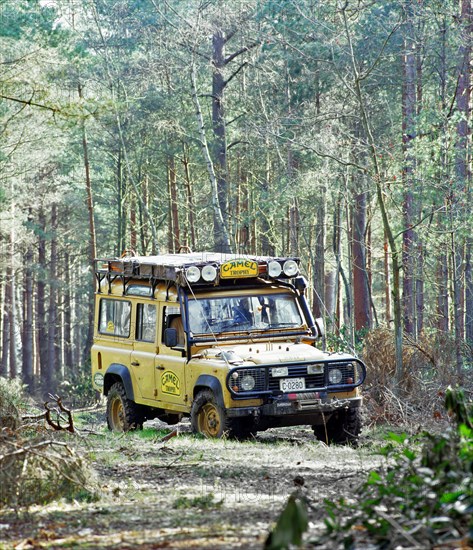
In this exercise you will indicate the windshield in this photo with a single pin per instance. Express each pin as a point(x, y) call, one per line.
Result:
point(243, 313)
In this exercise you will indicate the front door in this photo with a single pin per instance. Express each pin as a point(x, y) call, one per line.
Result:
point(170, 363)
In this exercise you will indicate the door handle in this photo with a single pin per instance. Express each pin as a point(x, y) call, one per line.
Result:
point(135, 363)
point(160, 367)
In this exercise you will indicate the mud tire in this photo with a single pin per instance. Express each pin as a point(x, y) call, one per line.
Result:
point(343, 427)
point(208, 417)
point(123, 415)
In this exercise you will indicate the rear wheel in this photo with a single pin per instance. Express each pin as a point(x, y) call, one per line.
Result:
point(122, 413)
point(344, 426)
point(207, 416)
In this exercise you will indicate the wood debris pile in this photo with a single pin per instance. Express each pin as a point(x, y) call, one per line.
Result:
point(38, 469)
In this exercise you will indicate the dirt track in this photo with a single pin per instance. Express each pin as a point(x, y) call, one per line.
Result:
point(190, 492)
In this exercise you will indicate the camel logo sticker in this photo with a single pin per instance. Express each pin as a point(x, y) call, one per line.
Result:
point(239, 268)
point(170, 383)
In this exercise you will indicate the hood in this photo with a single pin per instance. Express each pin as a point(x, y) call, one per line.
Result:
point(268, 353)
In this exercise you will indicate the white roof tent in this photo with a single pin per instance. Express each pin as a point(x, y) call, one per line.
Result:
point(202, 269)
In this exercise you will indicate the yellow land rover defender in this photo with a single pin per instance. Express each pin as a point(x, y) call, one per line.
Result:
point(229, 341)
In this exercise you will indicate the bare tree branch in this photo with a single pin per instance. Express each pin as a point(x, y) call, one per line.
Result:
point(232, 56)
point(31, 103)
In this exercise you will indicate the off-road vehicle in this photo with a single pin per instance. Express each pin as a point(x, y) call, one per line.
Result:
point(227, 340)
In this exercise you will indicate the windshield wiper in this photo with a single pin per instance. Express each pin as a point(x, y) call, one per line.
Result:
point(282, 325)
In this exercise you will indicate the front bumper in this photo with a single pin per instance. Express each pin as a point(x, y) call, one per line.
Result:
point(280, 407)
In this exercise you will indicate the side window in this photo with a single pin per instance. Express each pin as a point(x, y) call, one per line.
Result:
point(172, 319)
point(146, 322)
point(114, 317)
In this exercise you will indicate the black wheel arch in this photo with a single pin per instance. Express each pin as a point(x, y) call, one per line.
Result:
point(209, 382)
point(118, 373)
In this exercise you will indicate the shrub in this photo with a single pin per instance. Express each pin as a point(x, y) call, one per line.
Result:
point(12, 401)
point(35, 470)
point(38, 470)
point(424, 497)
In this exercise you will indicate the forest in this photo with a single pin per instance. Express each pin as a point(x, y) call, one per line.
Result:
point(337, 132)
point(334, 131)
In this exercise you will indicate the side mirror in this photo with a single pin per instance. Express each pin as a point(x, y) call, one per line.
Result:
point(319, 324)
point(170, 337)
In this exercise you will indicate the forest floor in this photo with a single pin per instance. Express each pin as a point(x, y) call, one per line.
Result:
point(190, 492)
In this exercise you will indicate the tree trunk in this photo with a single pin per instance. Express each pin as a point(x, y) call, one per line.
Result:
point(222, 242)
point(68, 360)
point(92, 239)
point(121, 222)
point(461, 167)
point(387, 282)
point(267, 247)
point(191, 229)
point(174, 230)
point(409, 109)
point(337, 252)
point(50, 380)
point(4, 368)
point(318, 305)
point(76, 327)
point(133, 236)
point(41, 295)
point(28, 332)
point(220, 145)
point(468, 293)
point(294, 230)
point(441, 272)
point(361, 293)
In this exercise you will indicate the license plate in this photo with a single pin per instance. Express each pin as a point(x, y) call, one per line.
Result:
point(292, 384)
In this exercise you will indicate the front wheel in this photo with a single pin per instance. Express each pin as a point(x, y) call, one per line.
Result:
point(123, 414)
point(344, 426)
point(207, 416)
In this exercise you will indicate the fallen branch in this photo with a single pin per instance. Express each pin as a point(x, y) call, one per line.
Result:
point(55, 405)
point(57, 425)
point(169, 436)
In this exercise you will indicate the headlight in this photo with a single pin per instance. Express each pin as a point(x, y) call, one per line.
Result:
point(209, 273)
point(274, 269)
point(315, 369)
point(192, 274)
point(247, 383)
point(335, 376)
point(290, 268)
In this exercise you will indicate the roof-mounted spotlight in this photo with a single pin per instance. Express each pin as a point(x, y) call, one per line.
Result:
point(290, 268)
point(274, 269)
point(192, 274)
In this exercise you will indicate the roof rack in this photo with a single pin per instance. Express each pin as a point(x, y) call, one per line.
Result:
point(175, 268)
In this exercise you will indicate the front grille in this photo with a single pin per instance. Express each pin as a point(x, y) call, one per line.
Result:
point(351, 374)
point(312, 381)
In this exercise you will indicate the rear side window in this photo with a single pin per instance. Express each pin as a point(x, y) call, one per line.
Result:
point(115, 317)
point(146, 323)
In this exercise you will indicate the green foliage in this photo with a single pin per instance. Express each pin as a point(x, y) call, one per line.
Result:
point(12, 401)
point(425, 494)
point(340, 342)
point(77, 389)
point(291, 525)
point(204, 502)
point(13, 391)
